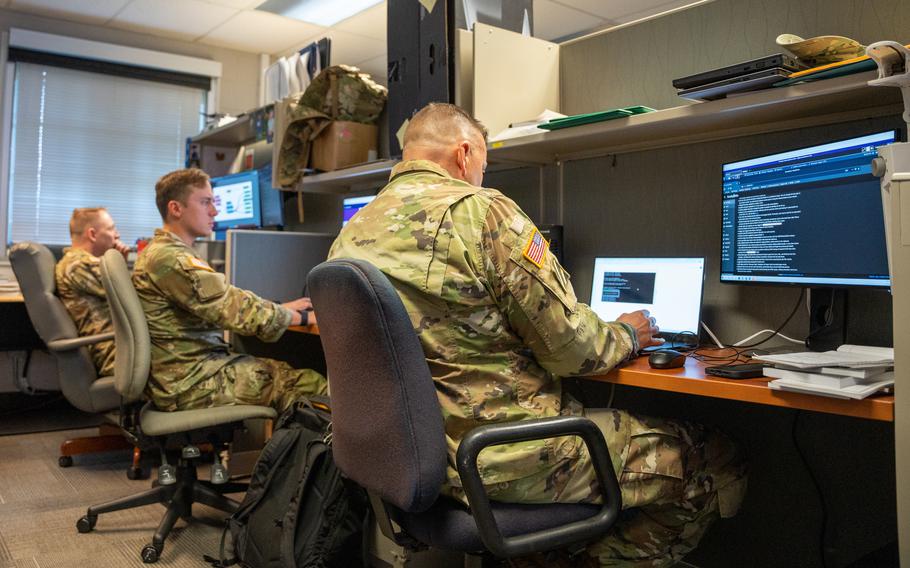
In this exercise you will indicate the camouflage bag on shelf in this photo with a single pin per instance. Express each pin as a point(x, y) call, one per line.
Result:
point(340, 92)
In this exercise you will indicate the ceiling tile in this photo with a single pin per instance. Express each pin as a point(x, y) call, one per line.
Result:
point(624, 10)
point(370, 23)
point(652, 10)
point(183, 19)
point(239, 4)
point(348, 48)
point(376, 67)
point(261, 32)
point(87, 11)
point(552, 20)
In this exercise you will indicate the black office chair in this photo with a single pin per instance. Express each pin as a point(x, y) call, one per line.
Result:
point(388, 433)
point(177, 489)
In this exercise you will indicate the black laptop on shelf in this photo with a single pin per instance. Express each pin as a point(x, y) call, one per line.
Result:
point(747, 76)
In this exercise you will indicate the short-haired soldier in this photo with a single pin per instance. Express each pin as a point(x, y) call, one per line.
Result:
point(188, 305)
point(78, 279)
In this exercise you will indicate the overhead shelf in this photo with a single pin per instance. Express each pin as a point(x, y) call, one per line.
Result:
point(770, 110)
point(234, 134)
point(810, 104)
point(362, 176)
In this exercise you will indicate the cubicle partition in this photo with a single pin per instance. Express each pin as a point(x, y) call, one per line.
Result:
point(274, 265)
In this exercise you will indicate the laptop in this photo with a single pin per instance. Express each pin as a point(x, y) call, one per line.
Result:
point(777, 60)
point(669, 288)
point(748, 82)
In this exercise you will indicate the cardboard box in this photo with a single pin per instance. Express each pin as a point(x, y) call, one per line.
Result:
point(344, 144)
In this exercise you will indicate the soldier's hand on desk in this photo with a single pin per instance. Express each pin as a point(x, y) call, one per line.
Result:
point(645, 327)
point(122, 248)
point(298, 307)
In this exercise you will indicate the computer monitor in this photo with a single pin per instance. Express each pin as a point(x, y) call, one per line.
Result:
point(807, 217)
point(669, 288)
point(354, 204)
point(237, 201)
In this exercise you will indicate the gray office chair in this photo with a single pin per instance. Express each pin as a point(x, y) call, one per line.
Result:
point(33, 265)
point(176, 489)
point(388, 434)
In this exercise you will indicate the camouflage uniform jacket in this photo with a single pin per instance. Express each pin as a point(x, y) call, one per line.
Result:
point(188, 305)
point(78, 279)
point(499, 323)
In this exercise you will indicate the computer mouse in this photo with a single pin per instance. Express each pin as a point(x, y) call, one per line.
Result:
point(666, 359)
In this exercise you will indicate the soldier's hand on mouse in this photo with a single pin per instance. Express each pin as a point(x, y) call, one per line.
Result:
point(645, 327)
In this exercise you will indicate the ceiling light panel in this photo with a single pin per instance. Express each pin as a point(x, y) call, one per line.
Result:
point(322, 12)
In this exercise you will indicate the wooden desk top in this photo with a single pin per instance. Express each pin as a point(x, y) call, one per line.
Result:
point(691, 379)
point(11, 298)
point(313, 329)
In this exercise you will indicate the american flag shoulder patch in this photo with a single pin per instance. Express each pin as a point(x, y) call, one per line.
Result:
point(536, 249)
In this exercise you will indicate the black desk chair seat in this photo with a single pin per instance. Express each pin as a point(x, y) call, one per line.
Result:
point(388, 432)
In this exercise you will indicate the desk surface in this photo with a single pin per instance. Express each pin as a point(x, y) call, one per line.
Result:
point(11, 298)
point(691, 379)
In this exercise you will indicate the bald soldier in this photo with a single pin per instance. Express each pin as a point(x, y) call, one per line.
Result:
point(500, 325)
point(78, 279)
point(188, 305)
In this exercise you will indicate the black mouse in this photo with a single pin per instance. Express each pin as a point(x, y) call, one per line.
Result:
point(666, 359)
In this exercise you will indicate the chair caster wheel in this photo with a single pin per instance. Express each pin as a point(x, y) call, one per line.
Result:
point(65, 461)
point(86, 524)
point(150, 554)
point(136, 473)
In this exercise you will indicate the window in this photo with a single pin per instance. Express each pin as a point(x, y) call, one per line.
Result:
point(86, 139)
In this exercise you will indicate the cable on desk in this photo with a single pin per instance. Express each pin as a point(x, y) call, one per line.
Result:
point(799, 301)
point(818, 489)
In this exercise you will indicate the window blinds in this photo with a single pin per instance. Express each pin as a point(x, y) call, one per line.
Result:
point(82, 139)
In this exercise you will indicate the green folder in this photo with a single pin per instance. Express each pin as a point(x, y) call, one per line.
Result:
point(600, 116)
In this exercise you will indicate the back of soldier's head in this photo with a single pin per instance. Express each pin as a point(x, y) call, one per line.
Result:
point(84, 218)
point(177, 186)
point(439, 125)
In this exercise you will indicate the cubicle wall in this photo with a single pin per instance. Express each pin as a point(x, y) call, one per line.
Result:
point(274, 264)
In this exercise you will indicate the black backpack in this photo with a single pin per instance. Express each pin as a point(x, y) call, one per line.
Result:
point(299, 510)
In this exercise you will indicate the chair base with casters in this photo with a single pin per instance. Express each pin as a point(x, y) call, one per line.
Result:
point(178, 488)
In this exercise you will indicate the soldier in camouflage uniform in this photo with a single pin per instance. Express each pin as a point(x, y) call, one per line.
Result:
point(78, 279)
point(500, 324)
point(188, 305)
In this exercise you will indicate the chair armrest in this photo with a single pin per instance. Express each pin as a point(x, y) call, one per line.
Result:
point(494, 434)
point(77, 342)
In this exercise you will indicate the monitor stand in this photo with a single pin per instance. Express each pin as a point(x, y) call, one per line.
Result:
point(827, 319)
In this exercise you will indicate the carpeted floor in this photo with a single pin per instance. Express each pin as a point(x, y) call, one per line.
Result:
point(41, 502)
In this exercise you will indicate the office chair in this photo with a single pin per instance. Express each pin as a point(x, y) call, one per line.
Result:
point(388, 433)
point(176, 488)
point(33, 265)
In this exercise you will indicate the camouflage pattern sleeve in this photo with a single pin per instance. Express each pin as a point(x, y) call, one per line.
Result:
point(192, 284)
point(85, 277)
point(534, 291)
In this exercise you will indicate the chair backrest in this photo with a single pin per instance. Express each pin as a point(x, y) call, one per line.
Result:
point(33, 264)
point(387, 425)
point(131, 332)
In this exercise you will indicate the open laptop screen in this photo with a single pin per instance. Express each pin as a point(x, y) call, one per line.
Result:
point(669, 288)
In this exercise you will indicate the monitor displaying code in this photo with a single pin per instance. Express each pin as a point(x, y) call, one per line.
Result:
point(811, 216)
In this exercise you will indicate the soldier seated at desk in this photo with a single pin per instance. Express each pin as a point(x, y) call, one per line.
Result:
point(500, 325)
point(78, 279)
point(188, 305)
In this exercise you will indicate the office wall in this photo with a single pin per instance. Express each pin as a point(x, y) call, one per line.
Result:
point(240, 71)
point(636, 64)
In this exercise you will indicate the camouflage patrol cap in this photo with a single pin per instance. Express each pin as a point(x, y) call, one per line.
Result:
point(821, 50)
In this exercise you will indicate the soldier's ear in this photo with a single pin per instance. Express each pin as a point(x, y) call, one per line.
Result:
point(174, 209)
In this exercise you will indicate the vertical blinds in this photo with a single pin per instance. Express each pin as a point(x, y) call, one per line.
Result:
point(83, 139)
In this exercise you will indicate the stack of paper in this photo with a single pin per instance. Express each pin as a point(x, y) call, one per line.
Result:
point(853, 371)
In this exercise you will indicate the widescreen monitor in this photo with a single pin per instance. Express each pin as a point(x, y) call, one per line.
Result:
point(806, 217)
point(237, 201)
point(352, 205)
point(669, 288)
